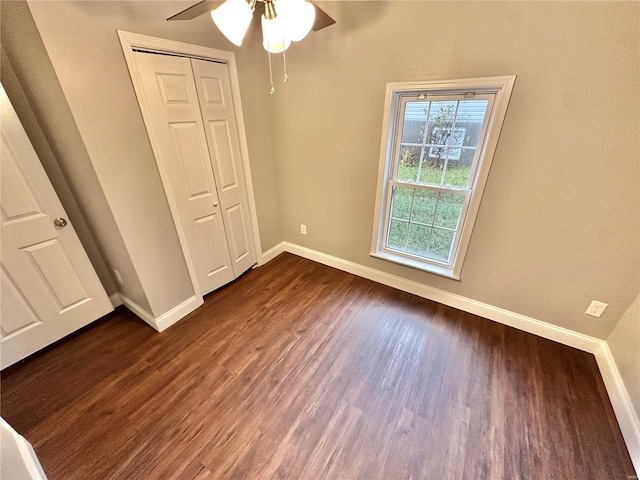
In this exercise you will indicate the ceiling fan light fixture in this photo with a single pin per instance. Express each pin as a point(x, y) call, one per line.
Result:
point(274, 35)
point(233, 18)
point(298, 16)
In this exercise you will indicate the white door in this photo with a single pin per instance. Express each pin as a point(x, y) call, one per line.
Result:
point(214, 94)
point(48, 285)
point(210, 216)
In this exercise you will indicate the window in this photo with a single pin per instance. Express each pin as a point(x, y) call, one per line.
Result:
point(437, 147)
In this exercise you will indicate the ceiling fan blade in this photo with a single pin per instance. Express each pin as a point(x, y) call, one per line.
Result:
point(323, 20)
point(196, 10)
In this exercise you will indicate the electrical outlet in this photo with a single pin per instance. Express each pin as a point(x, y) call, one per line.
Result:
point(596, 308)
point(303, 229)
point(118, 276)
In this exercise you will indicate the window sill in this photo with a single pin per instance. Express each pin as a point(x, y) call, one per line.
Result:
point(418, 265)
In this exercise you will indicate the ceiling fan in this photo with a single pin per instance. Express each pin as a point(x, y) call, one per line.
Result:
point(235, 11)
point(322, 19)
point(283, 21)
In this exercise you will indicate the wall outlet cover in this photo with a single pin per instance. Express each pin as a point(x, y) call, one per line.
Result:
point(596, 308)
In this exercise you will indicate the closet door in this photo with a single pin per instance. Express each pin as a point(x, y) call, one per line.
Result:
point(180, 146)
point(214, 95)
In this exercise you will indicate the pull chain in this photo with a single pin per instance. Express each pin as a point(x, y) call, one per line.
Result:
point(284, 60)
point(272, 91)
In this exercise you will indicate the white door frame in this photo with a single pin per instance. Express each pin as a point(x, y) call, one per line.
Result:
point(129, 41)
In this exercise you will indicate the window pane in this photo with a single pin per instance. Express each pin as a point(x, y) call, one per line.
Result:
point(401, 202)
point(441, 117)
point(418, 238)
point(424, 206)
point(449, 208)
point(457, 175)
point(415, 116)
point(440, 246)
point(408, 161)
point(430, 173)
point(397, 234)
point(471, 114)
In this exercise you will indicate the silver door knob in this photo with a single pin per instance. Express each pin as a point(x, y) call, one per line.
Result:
point(60, 222)
point(215, 204)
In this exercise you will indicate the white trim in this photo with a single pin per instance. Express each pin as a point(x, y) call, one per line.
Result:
point(244, 153)
point(129, 41)
point(116, 301)
point(167, 319)
point(178, 312)
point(621, 402)
point(138, 310)
point(272, 253)
point(500, 315)
point(417, 264)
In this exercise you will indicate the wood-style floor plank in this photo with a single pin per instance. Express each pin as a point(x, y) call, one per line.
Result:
point(300, 371)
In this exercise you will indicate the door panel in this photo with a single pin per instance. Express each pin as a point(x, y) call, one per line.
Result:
point(214, 94)
point(192, 161)
point(52, 266)
point(212, 236)
point(18, 201)
point(48, 286)
point(173, 89)
point(176, 125)
point(17, 315)
point(239, 241)
point(223, 158)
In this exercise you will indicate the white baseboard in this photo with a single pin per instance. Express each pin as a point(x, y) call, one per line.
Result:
point(178, 312)
point(272, 253)
point(116, 301)
point(167, 319)
point(138, 310)
point(618, 394)
point(506, 317)
point(621, 402)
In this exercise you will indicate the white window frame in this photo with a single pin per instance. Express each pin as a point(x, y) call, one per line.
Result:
point(500, 89)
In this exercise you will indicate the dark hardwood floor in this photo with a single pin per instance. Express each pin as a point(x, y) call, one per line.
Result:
point(300, 371)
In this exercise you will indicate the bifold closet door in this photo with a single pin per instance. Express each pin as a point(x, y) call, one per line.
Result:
point(177, 132)
point(214, 94)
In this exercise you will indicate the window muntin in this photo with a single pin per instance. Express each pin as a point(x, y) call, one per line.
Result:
point(441, 137)
point(438, 143)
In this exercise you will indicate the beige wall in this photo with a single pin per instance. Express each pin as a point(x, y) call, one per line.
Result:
point(624, 343)
point(558, 224)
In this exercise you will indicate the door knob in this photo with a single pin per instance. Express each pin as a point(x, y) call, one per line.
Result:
point(215, 204)
point(60, 222)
